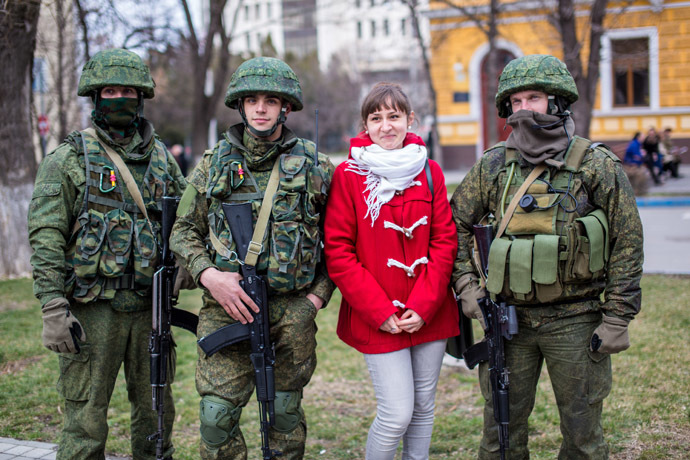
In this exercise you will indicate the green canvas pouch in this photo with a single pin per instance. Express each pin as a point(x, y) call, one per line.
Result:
point(595, 235)
point(545, 259)
point(498, 254)
point(520, 266)
point(601, 217)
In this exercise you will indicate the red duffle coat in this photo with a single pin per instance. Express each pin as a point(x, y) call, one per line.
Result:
point(357, 257)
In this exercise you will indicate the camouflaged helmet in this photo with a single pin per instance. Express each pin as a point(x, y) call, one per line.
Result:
point(267, 75)
point(539, 72)
point(115, 67)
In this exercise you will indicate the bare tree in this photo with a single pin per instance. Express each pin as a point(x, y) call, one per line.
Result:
point(487, 24)
point(209, 52)
point(18, 27)
point(586, 79)
point(414, 7)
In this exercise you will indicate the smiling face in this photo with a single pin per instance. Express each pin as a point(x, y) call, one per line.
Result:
point(262, 111)
point(387, 126)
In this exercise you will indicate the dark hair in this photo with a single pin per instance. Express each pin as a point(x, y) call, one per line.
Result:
point(636, 134)
point(382, 96)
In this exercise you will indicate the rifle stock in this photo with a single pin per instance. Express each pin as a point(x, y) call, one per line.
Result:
point(501, 324)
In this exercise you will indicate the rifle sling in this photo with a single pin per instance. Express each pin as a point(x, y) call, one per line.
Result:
point(126, 175)
point(536, 172)
point(255, 245)
point(221, 338)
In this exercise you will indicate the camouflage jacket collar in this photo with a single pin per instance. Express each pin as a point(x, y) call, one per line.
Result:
point(139, 146)
point(259, 154)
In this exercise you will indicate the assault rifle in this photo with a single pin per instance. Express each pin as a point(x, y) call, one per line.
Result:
point(262, 355)
point(501, 324)
point(165, 315)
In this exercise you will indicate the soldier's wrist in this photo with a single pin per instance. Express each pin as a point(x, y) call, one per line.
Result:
point(45, 298)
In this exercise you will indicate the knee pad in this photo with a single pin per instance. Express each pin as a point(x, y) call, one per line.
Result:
point(219, 420)
point(288, 411)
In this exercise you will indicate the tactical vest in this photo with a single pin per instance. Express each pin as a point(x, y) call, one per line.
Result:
point(113, 247)
point(552, 244)
point(292, 243)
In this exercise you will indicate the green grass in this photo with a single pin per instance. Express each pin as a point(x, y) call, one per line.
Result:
point(647, 415)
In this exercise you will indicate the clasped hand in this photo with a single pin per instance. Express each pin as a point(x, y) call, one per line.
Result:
point(409, 322)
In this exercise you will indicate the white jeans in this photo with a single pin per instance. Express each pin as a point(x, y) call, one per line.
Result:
point(405, 386)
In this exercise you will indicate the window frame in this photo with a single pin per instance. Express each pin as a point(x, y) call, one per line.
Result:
point(606, 68)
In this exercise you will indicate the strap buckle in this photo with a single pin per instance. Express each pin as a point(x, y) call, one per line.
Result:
point(255, 248)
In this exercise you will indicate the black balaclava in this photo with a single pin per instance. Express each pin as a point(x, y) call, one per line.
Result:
point(119, 117)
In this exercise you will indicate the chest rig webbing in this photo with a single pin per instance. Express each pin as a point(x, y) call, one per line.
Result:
point(547, 242)
point(291, 246)
point(113, 246)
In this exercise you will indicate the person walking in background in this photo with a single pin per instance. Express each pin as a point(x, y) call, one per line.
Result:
point(577, 234)
point(238, 169)
point(390, 244)
point(652, 157)
point(94, 234)
point(178, 152)
point(670, 154)
point(633, 153)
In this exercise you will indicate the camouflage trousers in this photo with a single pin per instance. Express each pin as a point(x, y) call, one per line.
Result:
point(229, 374)
point(580, 379)
point(87, 381)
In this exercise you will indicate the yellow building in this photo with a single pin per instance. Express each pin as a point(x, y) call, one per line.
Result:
point(644, 77)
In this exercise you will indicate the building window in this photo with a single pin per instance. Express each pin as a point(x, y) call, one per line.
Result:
point(246, 12)
point(403, 24)
point(373, 28)
point(372, 3)
point(630, 68)
point(268, 10)
point(359, 29)
point(358, 3)
point(386, 30)
point(249, 41)
point(257, 10)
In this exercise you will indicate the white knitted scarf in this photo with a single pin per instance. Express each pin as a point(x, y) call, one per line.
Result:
point(386, 172)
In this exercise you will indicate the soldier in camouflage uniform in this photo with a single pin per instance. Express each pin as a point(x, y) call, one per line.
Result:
point(576, 235)
point(237, 169)
point(95, 252)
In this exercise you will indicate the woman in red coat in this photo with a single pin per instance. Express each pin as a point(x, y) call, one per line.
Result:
point(390, 245)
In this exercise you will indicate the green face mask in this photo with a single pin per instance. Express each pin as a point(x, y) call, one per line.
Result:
point(119, 112)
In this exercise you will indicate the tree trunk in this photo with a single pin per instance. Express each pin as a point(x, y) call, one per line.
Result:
point(436, 150)
point(492, 76)
point(205, 56)
point(18, 26)
point(586, 82)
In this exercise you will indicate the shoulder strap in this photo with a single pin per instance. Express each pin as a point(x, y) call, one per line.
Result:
point(255, 245)
point(429, 179)
point(126, 176)
point(576, 153)
point(536, 172)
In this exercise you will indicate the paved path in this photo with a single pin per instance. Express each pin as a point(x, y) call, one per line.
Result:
point(665, 217)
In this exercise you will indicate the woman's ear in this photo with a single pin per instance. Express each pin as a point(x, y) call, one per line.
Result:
point(410, 120)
